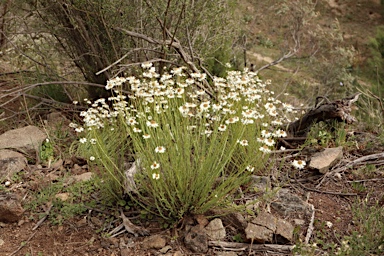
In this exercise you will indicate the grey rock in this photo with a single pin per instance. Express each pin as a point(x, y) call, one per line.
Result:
point(215, 230)
point(288, 203)
point(258, 233)
point(11, 162)
point(27, 139)
point(284, 229)
point(326, 159)
point(154, 242)
point(196, 240)
point(10, 208)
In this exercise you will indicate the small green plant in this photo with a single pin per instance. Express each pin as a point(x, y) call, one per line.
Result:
point(47, 153)
point(368, 236)
point(328, 134)
point(192, 151)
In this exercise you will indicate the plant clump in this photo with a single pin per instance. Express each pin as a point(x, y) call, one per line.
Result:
point(192, 151)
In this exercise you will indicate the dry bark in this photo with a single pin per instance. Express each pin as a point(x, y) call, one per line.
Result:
point(339, 110)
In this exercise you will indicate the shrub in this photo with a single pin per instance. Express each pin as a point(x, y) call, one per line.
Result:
point(193, 152)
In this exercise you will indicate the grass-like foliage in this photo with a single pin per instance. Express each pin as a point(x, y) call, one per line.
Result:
point(193, 152)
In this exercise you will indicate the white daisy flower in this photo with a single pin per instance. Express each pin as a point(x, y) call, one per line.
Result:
point(155, 165)
point(156, 176)
point(160, 149)
point(298, 164)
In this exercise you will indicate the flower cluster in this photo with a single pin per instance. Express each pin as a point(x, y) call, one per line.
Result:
point(242, 102)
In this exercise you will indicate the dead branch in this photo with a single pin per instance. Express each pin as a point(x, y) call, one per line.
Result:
point(310, 226)
point(174, 43)
point(339, 110)
point(361, 160)
point(256, 247)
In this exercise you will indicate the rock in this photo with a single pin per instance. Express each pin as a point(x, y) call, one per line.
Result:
point(202, 220)
point(27, 139)
point(10, 208)
point(11, 162)
point(178, 253)
point(196, 240)
point(165, 249)
point(299, 222)
point(154, 242)
point(266, 220)
point(266, 226)
point(260, 183)
point(324, 160)
point(83, 177)
point(285, 230)
point(261, 228)
point(215, 230)
point(258, 233)
point(62, 196)
point(233, 219)
point(288, 203)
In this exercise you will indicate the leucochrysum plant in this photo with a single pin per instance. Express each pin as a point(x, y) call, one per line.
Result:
point(193, 151)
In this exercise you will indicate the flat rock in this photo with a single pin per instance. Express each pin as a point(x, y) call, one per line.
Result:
point(288, 203)
point(83, 177)
point(266, 220)
point(326, 159)
point(284, 229)
point(27, 139)
point(196, 240)
point(10, 208)
point(154, 242)
point(215, 230)
point(11, 162)
point(258, 233)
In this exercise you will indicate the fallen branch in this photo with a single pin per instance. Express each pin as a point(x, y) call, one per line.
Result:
point(310, 226)
point(359, 161)
point(339, 110)
point(43, 218)
point(256, 247)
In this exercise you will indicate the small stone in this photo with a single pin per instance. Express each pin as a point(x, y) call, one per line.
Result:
point(215, 230)
point(154, 242)
point(202, 220)
point(165, 249)
point(10, 208)
point(2, 242)
point(27, 139)
point(178, 253)
point(11, 162)
point(83, 177)
point(62, 196)
point(326, 159)
point(288, 203)
point(299, 222)
point(96, 221)
point(196, 240)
